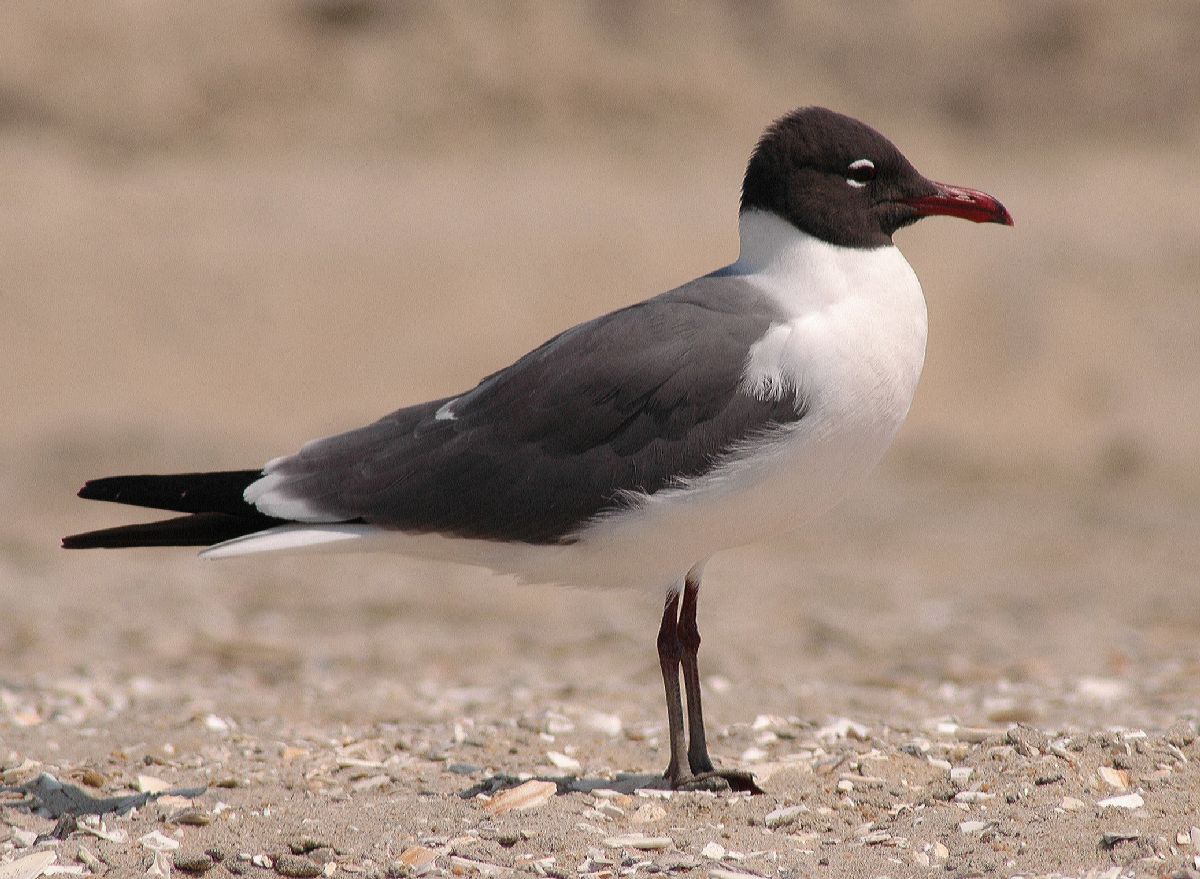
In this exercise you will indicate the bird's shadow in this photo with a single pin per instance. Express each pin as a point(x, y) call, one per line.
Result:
point(623, 783)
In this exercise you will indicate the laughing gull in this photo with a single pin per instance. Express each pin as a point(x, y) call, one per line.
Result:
point(627, 450)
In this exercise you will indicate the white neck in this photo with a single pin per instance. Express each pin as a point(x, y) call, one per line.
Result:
point(772, 245)
point(803, 272)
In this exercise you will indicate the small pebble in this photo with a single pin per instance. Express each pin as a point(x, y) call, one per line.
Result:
point(149, 784)
point(973, 796)
point(608, 724)
point(647, 813)
point(842, 728)
point(193, 862)
point(1027, 741)
point(216, 724)
point(639, 842)
point(1127, 801)
point(1112, 838)
point(1102, 689)
point(526, 796)
point(783, 816)
point(159, 842)
point(563, 762)
point(713, 851)
point(23, 838)
point(1115, 778)
point(609, 809)
point(373, 782)
point(90, 861)
point(296, 865)
point(29, 866)
point(1181, 734)
point(191, 817)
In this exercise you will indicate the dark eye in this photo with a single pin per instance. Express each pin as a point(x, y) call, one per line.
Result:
point(861, 172)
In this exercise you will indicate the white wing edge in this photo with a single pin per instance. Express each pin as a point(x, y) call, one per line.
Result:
point(296, 538)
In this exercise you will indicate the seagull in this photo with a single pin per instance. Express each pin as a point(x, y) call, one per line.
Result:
point(627, 450)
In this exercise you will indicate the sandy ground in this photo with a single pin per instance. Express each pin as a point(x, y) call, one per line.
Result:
point(230, 228)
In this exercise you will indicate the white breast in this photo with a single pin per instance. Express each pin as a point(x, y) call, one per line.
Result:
point(853, 339)
point(852, 343)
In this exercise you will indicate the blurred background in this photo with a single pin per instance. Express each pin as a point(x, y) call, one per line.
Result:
point(229, 227)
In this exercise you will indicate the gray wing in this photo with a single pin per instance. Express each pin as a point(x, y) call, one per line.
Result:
point(634, 401)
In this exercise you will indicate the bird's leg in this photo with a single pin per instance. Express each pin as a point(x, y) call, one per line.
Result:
point(689, 639)
point(669, 653)
point(703, 775)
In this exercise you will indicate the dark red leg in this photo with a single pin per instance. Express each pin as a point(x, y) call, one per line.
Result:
point(689, 638)
point(669, 653)
point(687, 634)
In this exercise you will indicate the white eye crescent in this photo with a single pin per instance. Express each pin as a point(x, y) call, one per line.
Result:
point(860, 173)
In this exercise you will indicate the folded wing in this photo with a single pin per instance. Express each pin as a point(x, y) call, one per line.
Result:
point(632, 402)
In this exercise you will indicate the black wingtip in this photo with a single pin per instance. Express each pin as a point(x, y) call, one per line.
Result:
point(103, 489)
point(200, 529)
point(107, 538)
point(89, 540)
point(216, 492)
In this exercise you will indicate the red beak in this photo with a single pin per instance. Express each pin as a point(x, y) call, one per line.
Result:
point(958, 201)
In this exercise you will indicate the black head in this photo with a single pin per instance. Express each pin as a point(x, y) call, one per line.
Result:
point(843, 182)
